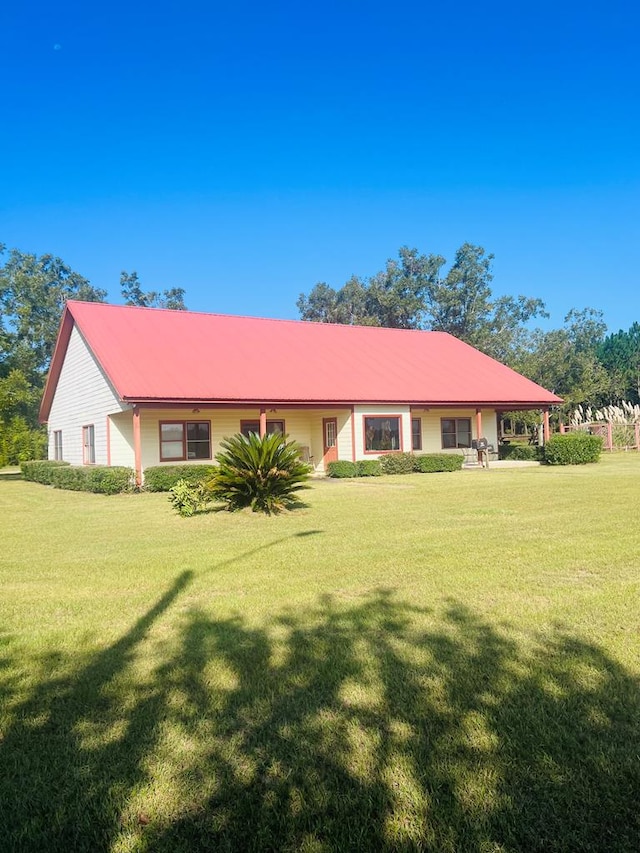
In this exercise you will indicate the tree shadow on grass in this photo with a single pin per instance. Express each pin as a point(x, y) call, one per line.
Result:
point(353, 725)
point(56, 783)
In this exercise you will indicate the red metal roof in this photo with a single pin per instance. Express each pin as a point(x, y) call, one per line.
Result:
point(157, 355)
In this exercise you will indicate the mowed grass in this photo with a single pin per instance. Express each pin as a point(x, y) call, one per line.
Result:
point(444, 662)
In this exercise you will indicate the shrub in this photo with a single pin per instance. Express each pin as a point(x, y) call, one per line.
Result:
point(520, 452)
point(261, 473)
point(368, 468)
point(162, 478)
point(109, 480)
point(188, 498)
point(20, 443)
point(100, 479)
point(576, 448)
point(430, 463)
point(71, 478)
point(103, 480)
point(40, 471)
point(342, 469)
point(397, 463)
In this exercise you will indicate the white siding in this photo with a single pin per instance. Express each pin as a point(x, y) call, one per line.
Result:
point(83, 396)
point(121, 435)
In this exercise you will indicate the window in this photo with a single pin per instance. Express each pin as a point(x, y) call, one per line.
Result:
point(456, 432)
point(57, 445)
point(382, 433)
point(254, 426)
point(89, 445)
point(416, 434)
point(182, 440)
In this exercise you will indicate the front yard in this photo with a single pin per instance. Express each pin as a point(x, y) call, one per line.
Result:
point(445, 662)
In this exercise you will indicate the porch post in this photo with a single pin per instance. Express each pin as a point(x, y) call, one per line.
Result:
point(478, 423)
point(263, 423)
point(137, 446)
point(353, 434)
point(108, 440)
point(545, 427)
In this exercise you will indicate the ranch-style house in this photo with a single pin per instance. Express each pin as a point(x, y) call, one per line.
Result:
point(146, 386)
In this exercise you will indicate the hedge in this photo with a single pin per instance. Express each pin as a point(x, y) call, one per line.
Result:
point(40, 470)
point(369, 468)
point(521, 452)
point(431, 463)
point(576, 448)
point(397, 463)
point(100, 479)
point(162, 478)
point(341, 469)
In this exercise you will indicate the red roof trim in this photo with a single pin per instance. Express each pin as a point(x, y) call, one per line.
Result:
point(506, 405)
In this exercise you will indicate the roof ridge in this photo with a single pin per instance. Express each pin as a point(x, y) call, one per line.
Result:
point(296, 321)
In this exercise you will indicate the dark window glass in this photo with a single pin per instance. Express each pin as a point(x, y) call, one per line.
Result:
point(381, 433)
point(456, 432)
point(416, 434)
point(254, 426)
point(182, 440)
point(199, 440)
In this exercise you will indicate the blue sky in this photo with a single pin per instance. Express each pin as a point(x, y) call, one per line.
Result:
point(246, 151)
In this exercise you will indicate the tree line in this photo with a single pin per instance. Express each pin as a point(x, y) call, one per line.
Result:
point(33, 292)
point(579, 361)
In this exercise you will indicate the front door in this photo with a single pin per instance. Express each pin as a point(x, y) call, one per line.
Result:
point(330, 433)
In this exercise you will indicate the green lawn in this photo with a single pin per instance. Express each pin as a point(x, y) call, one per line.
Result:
point(444, 662)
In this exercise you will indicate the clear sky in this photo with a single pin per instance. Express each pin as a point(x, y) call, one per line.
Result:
point(247, 150)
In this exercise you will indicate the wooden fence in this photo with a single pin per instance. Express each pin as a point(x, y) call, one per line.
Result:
point(615, 436)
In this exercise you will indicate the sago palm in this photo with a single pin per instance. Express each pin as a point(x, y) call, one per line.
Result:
point(263, 473)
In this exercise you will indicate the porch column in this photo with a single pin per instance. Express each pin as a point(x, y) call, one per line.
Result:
point(108, 440)
point(546, 432)
point(562, 428)
point(137, 446)
point(478, 423)
point(263, 423)
point(353, 434)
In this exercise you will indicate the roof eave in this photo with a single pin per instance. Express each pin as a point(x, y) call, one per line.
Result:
point(506, 405)
point(55, 366)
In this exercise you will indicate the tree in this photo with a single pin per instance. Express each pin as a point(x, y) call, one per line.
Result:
point(33, 291)
point(412, 293)
point(566, 361)
point(619, 354)
point(134, 295)
point(462, 304)
point(394, 297)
